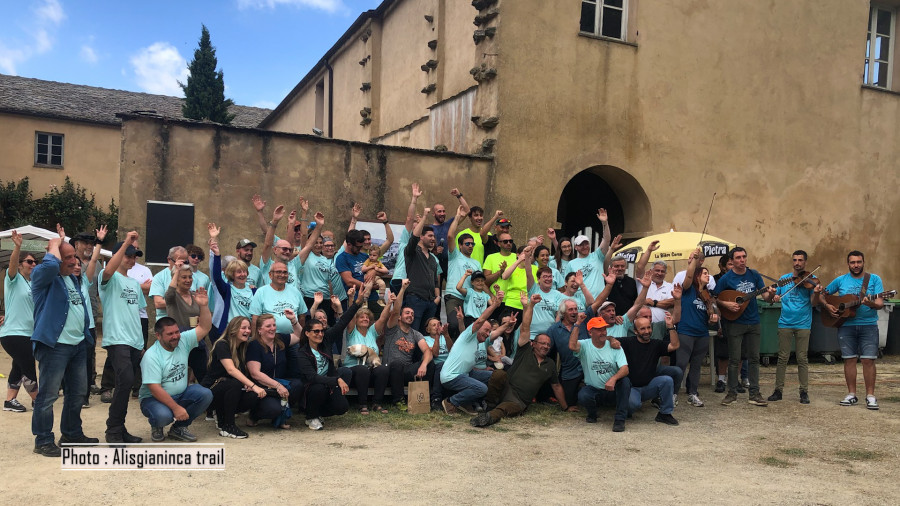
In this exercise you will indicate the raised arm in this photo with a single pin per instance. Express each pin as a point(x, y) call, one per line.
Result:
point(574, 345)
point(603, 295)
point(691, 268)
point(520, 260)
point(490, 224)
point(451, 231)
point(461, 285)
point(388, 233)
point(462, 201)
point(641, 265)
point(259, 205)
point(604, 243)
point(269, 242)
point(100, 233)
point(320, 224)
point(674, 343)
point(411, 211)
point(12, 270)
point(525, 328)
point(588, 297)
point(205, 323)
point(397, 305)
point(113, 265)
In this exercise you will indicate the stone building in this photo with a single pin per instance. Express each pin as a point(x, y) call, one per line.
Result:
point(643, 107)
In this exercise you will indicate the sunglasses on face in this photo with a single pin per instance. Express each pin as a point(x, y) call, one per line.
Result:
point(468, 244)
point(316, 331)
point(285, 248)
point(29, 262)
point(506, 241)
point(196, 257)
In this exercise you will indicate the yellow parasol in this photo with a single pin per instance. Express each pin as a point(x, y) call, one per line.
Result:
point(675, 246)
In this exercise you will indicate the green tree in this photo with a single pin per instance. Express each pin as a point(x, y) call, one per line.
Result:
point(204, 93)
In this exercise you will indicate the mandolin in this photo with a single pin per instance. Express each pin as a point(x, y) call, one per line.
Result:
point(846, 306)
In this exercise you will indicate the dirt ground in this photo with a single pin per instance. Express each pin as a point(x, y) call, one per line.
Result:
point(786, 453)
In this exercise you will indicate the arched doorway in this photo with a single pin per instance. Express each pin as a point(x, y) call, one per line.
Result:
point(611, 188)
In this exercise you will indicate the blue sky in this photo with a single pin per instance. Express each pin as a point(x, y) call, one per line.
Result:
point(264, 47)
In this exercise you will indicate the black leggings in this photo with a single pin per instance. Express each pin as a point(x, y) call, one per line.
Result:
point(322, 400)
point(229, 397)
point(19, 348)
point(363, 376)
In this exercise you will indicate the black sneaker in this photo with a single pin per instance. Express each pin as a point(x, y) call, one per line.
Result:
point(667, 419)
point(720, 386)
point(655, 403)
point(95, 390)
point(157, 434)
point(131, 439)
point(740, 388)
point(619, 426)
point(106, 396)
point(591, 419)
point(48, 450)
point(14, 406)
point(82, 439)
point(232, 431)
point(182, 434)
point(776, 396)
point(804, 398)
point(481, 420)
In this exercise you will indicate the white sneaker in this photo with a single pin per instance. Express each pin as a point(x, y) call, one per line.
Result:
point(871, 403)
point(695, 401)
point(314, 424)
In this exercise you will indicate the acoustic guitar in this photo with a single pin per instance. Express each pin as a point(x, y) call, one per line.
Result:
point(847, 306)
point(744, 298)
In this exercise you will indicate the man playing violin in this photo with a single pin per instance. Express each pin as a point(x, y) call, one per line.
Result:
point(794, 323)
point(744, 327)
point(858, 336)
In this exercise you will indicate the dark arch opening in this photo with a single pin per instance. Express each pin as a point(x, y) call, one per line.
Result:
point(610, 188)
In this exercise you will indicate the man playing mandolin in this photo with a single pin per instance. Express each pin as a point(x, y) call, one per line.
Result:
point(736, 292)
point(858, 334)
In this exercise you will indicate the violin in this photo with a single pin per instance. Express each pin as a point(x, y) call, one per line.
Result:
point(809, 283)
point(712, 308)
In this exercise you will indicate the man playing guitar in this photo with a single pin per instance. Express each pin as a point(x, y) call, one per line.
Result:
point(858, 336)
point(745, 326)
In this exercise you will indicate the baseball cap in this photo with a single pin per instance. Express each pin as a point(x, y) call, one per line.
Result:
point(245, 242)
point(83, 237)
point(596, 323)
point(580, 239)
point(606, 304)
point(477, 275)
point(503, 222)
point(130, 251)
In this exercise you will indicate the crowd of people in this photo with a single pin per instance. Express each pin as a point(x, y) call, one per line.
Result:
point(553, 320)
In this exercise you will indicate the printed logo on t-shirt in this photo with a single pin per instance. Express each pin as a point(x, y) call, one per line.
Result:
point(746, 286)
point(241, 300)
point(548, 308)
point(587, 269)
point(74, 296)
point(404, 345)
point(698, 303)
point(176, 373)
point(129, 295)
point(281, 305)
point(602, 367)
point(480, 354)
point(480, 303)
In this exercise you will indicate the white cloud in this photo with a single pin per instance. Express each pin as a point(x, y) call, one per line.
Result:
point(158, 68)
point(265, 104)
point(40, 28)
point(325, 5)
point(88, 54)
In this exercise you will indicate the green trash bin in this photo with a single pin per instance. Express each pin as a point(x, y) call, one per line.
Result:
point(768, 328)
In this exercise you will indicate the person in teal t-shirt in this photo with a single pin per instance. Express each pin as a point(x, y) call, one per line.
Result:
point(605, 372)
point(457, 373)
point(15, 334)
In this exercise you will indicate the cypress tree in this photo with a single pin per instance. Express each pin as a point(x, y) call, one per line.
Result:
point(204, 93)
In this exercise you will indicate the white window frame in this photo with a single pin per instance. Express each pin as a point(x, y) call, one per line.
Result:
point(868, 67)
point(49, 144)
point(598, 18)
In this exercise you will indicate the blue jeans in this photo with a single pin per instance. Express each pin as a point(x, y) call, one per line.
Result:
point(590, 398)
point(857, 341)
point(660, 386)
point(194, 400)
point(424, 310)
point(470, 388)
point(672, 371)
point(64, 362)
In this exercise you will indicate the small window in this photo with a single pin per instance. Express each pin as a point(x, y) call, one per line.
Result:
point(48, 149)
point(879, 47)
point(606, 18)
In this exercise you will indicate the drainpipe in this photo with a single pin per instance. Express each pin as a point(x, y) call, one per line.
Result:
point(330, 99)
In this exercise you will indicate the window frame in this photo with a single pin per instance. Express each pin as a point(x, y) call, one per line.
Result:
point(598, 20)
point(49, 153)
point(868, 67)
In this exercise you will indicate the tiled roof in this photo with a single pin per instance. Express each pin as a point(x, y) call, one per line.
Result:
point(97, 105)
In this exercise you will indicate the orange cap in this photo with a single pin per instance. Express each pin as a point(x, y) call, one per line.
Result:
point(596, 323)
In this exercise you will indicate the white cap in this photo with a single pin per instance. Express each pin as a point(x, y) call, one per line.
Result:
point(580, 239)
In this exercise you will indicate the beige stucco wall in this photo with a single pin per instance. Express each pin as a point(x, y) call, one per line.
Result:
point(90, 151)
point(300, 117)
point(758, 101)
point(177, 161)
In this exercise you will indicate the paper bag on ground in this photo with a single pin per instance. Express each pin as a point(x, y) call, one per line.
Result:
point(419, 398)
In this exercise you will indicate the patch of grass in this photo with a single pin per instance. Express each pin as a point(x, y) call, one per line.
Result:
point(775, 462)
point(893, 398)
point(859, 454)
point(336, 445)
point(500, 428)
point(524, 435)
point(793, 452)
point(473, 431)
point(633, 450)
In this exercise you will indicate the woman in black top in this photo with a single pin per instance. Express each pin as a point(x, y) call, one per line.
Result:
point(267, 363)
point(324, 386)
point(227, 377)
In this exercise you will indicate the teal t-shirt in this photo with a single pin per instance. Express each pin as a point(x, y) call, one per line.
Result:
point(18, 307)
point(168, 369)
point(591, 267)
point(73, 330)
point(462, 356)
point(356, 337)
point(580, 302)
point(86, 285)
point(796, 308)
point(293, 268)
point(400, 265)
point(240, 301)
point(475, 303)
point(599, 364)
point(456, 268)
point(321, 363)
point(337, 285)
point(620, 330)
point(847, 285)
point(316, 275)
point(544, 313)
point(122, 301)
point(442, 349)
point(271, 301)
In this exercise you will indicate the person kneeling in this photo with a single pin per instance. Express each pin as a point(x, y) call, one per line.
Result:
point(325, 386)
point(605, 372)
point(165, 394)
point(643, 356)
